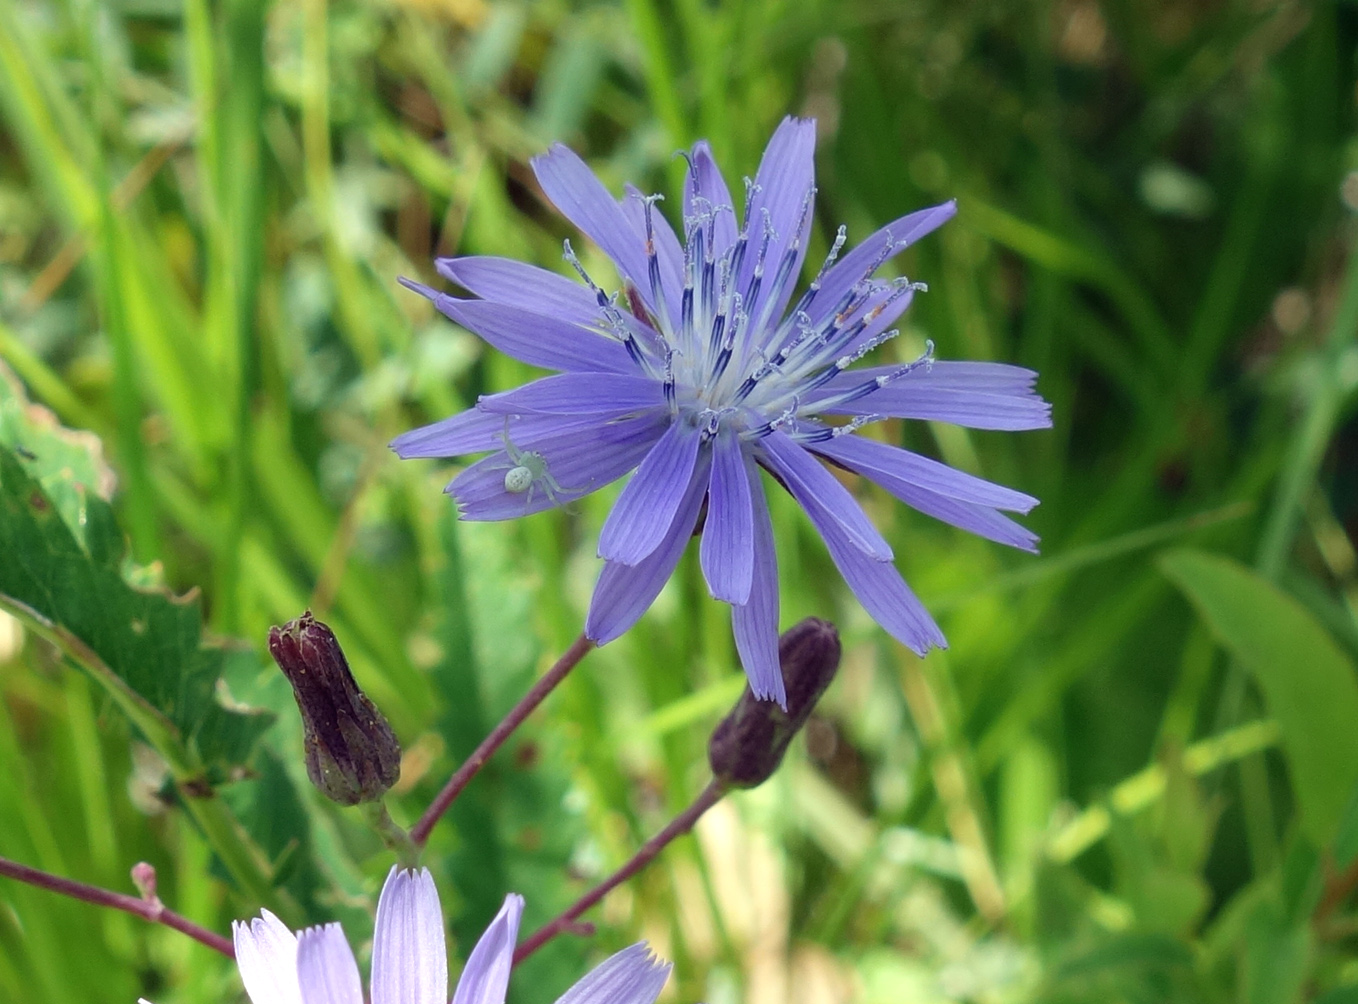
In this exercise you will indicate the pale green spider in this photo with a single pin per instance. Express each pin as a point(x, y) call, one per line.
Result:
point(529, 470)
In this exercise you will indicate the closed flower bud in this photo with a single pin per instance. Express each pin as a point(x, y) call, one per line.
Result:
point(352, 755)
point(748, 745)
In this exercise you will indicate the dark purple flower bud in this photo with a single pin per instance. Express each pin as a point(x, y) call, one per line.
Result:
point(748, 745)
point(352, 755)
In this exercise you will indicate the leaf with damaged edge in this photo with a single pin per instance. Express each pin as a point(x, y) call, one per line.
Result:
point(62, 575)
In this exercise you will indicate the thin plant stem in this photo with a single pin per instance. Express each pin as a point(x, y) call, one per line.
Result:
point(677, 827)
point(151, 909)
point(419, 833)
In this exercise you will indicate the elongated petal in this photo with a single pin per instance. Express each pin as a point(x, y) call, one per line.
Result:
point(883, 464)
point(669, 253)
point(480, 429)
point(580, 456)
point(706, 195)
point(820, 494)
point(582, 199)
point(410, 953)
point(727, 549)
point(578, 394)
point(980, 395)
point(632, 976)
point(882, 591)
point(755, 623)
point(783, 184)
point(326, 968)
point(485, 978)
point(531, 337)
point(957, 407)
point(644, 511)
point(266, 955)
point(978, 519)
point(623, 592)
point(503, 280)
point(853, 268)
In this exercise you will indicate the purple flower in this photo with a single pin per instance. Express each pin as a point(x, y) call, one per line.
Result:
point(410, 961)
point(697, 374)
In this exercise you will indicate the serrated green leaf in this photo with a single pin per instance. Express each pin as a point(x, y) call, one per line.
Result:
point(1307, 681)
point(62, 574)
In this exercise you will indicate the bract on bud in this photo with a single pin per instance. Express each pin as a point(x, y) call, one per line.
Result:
point(748, 745)
point(352, 755)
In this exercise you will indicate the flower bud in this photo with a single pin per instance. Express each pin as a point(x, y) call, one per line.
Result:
point(748, 745)
point(352, 755)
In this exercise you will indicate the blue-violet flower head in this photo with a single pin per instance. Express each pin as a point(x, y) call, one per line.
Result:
point(697, 373)
point(410, 961)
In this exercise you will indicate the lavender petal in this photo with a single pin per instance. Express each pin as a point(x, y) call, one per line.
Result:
point(882, 463)
point(503, 280)
point(783, 183)
point(624, 592)
point(410, 955)
point(578, 394)
point(958, 407)
point(882, 591)
point(581, 457)
point(326, 968)
point(582, 199)
point(642, 515)
point(470, 431)
point(632, 976)
point(705, 192)
point(266, 955)
point(728, 543)
point(755, 623)
point(530, 337)
point(820, 494)
point(851, 269)
point(669, 252)
point(485, 977)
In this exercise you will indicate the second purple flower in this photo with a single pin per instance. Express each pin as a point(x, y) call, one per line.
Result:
point(698, 373)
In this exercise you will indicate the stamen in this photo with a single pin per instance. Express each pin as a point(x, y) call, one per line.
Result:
point(569, 254)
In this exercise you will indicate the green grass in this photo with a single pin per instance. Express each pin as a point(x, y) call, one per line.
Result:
point(1090, 796)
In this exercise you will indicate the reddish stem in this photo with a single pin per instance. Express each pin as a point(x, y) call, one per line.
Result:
point(677, 827)
point(149, 909)
point(579, 648)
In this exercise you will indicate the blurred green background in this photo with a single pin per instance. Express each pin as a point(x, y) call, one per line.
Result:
point(1131, 776)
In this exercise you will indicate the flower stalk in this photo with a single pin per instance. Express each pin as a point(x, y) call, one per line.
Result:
point(419, 833)
point(148, 906)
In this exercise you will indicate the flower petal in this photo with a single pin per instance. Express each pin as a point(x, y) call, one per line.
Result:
point(727, 549)
point(644, 511)
point(755, 623)
point(623, 592)
point(578, 394)
point(266, 955)
point(706, 194)
point(582, 199)
point(326, 968)
point(470, 431)
point(503, 280)
point(581, 456)
point(889, 464)
point(817, 490)
point(882, 591)
point(410, 953)
point(957, 407)
point(533, 338)
point(485, 977)
point(977, 395)
point(783, 184)
point(632, 976)
point(852, 269)
point(669, 253)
